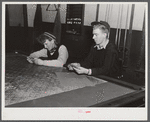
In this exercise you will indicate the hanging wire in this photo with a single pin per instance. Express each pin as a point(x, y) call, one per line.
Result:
point(124, 46)
point(120, 26)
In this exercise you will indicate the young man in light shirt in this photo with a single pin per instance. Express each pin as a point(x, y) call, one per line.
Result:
point(52, 54)
point(103, 57)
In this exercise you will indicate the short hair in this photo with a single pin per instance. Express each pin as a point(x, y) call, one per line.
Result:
point(46, 35)
point(102, 25)
point(103, 28)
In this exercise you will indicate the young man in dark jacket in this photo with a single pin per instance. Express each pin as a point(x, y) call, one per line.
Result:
point(103, 57)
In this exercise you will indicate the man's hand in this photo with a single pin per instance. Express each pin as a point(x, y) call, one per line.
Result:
point(34, 60)
point(81, 70)
point(72, 65)
point(30, 59)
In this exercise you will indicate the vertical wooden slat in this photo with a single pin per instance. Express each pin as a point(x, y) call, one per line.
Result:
point(82, 22)
point(120, 26)
point(117, 27)
point(25, 15)
point(97, 12)
point(124, 43)
point(130, 34)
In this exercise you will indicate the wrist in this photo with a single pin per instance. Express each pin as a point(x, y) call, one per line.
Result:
point(40, 62)
point(78, 64)
point(87, 71)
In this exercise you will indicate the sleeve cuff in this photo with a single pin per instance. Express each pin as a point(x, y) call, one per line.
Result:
point(89, 71)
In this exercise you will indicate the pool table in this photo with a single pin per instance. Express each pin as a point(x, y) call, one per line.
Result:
point(30, 85)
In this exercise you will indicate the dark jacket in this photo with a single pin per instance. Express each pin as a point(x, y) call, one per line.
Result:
point(104, 61)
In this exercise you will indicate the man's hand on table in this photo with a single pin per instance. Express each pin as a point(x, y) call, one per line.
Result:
point(30, 59)
point(77, 68)
point(81, 70)
point(34, 60)
point(72, 65)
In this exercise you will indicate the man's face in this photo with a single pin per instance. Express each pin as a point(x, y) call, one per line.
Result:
point(49, 44)
point(98, 36)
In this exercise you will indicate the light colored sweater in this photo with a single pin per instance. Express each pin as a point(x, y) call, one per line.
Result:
point(59, 62)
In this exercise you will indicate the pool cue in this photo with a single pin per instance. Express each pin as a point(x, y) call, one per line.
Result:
point(21, 54)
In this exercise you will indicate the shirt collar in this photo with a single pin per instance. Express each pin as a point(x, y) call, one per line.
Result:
point(103, 45)
point(52, 51)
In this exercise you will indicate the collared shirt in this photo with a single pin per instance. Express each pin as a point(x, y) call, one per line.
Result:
point(103, 45)
point(52, 53)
